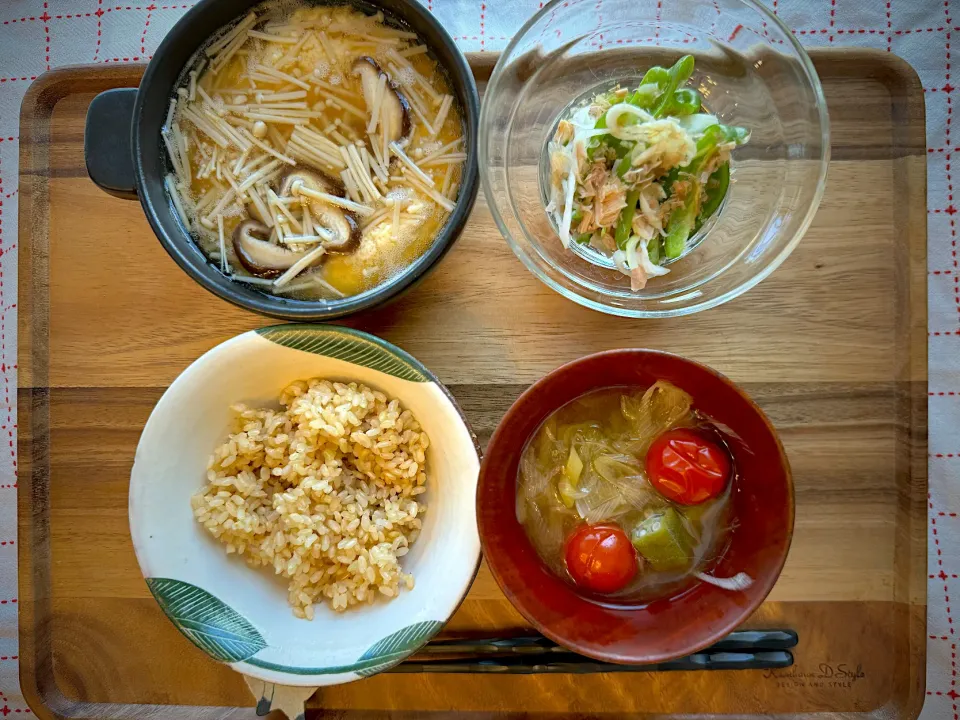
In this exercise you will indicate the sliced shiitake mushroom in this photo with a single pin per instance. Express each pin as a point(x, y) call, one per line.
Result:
point(260, 256)
point(341, 224)
point(394, 106)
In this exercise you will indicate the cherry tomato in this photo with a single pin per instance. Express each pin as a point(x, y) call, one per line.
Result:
point(686, 467)
point(601, 558)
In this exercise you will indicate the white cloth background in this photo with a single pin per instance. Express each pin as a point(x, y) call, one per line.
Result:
point(36, 36)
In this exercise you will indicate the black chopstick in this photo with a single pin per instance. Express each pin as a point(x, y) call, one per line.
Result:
point(740, 640)
point(531, 654)
point(579, 665)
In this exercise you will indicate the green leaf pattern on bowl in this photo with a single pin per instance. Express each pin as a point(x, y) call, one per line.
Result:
point(350, 346)
point(382, 655)
point(226, 635)
point(394, 648)
point(212, 625)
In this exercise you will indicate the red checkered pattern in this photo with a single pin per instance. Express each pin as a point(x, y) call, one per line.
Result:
point(36, 36)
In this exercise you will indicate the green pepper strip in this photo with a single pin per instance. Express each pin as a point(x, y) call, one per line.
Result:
point(656, 75)
point(716, 189)
point(625, 221)
point(653, 250)
point(681, 225)
point(685, 101)
point(657, 78)
point(679, 74)
point(683, 220)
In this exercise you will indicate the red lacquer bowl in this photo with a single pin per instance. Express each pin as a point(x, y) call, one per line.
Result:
point(667, 628)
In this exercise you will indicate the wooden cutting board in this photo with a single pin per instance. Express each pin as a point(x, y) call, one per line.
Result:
point(832, 346)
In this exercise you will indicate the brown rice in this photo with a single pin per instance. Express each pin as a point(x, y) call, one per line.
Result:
point(324, 491)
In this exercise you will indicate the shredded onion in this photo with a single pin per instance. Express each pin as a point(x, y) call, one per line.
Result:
point(740, 581)
point(652, 269)
point(634, 255)
point(619, 110)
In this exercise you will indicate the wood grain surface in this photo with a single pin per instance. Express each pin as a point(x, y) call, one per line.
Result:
point(832, 346)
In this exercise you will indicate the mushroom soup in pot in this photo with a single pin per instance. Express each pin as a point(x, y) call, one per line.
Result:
point(314, 152)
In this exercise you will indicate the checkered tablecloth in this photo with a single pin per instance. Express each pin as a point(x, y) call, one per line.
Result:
point(36, 36)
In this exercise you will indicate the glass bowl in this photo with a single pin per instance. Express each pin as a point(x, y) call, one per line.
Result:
point(750, 71)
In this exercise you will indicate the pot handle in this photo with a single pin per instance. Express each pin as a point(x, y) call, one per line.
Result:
point(107, 139)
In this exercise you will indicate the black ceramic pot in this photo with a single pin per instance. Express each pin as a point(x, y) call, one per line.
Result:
point(126, 157)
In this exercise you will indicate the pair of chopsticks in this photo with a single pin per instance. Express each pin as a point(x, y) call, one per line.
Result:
point(526, 655)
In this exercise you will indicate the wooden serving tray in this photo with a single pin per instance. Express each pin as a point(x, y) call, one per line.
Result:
point(833, 346)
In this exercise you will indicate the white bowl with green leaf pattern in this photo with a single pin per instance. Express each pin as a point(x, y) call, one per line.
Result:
point(239, 615)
